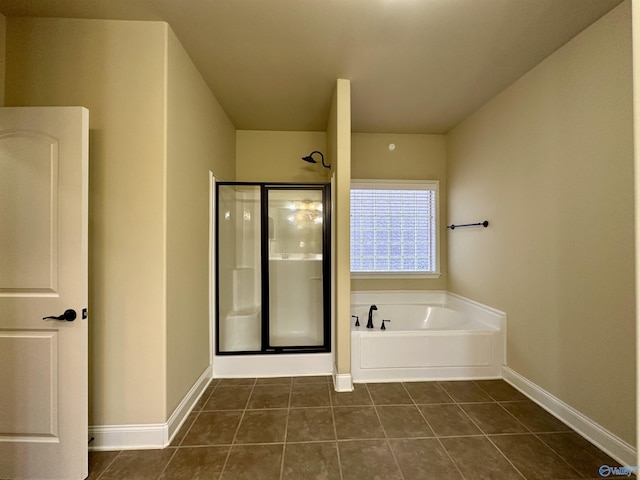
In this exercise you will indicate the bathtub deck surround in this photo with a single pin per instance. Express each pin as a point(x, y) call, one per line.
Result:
point(300, 428)
point(428, 335)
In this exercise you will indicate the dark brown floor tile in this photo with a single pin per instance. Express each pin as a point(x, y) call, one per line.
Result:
point(424, 458)
point(269, 396)
point(196, 463)
point(311, 461)
point(427, 392)
point(98, 462)
point(585, 457)
point(251, 462)
point(389, 394)
point(310, 424)
point(213, 428)
point(228, 398)
point(138, 465)
point(313, 379)
point(236, 382)
point(535, 418)
point(449, 420)
point(478, 459)
point(492, 418)
point(359, 396)
point(274, 381)
point(624, 472)
point(357, 422)
point(368, 459)
point(500, 391)
point(310, 395)
point(464, 392)
point(533, 458)
point(199, 450)
point(179, 436)
point(403, 422)
point(262, 426)
point(203, 399)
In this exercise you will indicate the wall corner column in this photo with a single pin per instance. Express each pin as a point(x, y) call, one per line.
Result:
point(339, 145)
point(635, 29)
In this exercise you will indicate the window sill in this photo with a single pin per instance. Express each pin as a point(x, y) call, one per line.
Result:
point(393, 275)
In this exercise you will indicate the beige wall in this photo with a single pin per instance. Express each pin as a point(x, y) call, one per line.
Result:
point(115, 69)
point(3, 44)
point(200, 138)
point(270, 156)
point(549, 162)
point(339, 147)
point(416, 157)
point(155, 132)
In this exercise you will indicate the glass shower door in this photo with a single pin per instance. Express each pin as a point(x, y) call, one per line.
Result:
point(239, 327)
point(295, 252)
point(272, 267)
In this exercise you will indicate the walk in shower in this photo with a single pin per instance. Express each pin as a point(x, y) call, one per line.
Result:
point(272, 272)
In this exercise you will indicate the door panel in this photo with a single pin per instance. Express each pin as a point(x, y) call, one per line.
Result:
point(43, 272)
point(29, 396)
point(295, 267)
point(239, 268)
point(28, 190)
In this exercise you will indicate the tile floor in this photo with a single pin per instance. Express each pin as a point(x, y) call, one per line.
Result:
point(300, 428)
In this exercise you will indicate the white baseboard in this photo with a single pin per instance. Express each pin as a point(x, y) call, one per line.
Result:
point(596, 434)
point(342, 382)
point(148, 436)
point(128, 437)
point(181, 412)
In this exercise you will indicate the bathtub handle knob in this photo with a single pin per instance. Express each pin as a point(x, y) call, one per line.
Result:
point(357, 320)
point(382, 327)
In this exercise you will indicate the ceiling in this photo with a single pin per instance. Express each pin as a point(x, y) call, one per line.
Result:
point(416, 66)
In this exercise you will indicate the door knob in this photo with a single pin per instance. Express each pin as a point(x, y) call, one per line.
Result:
point(68, 315)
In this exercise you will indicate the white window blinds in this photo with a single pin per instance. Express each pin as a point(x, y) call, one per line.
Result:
point(393, 228)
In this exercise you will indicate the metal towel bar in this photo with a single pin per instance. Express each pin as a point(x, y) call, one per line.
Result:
point(485, 224)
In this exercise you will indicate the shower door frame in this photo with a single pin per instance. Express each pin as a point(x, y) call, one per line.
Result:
point(265, 347)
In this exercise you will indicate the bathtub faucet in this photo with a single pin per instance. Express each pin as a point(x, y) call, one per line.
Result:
point(370, 319)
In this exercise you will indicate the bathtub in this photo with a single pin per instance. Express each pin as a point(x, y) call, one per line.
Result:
point(430, 336)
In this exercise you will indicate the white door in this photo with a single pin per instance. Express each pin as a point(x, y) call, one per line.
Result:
point(43, 272)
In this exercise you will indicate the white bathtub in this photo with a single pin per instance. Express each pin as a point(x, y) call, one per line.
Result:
point(430, 336)
point(406, 318)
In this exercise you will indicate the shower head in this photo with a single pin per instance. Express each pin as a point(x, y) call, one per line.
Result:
point(309, 158)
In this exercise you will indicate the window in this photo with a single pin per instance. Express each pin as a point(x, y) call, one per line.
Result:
point(394, 228)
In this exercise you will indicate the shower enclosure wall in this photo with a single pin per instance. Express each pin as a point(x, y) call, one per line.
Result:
point(272, 270)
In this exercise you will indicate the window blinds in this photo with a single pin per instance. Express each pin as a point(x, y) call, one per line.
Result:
point(393, 230)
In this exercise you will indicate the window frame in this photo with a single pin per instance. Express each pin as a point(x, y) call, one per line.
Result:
point(433, 185)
